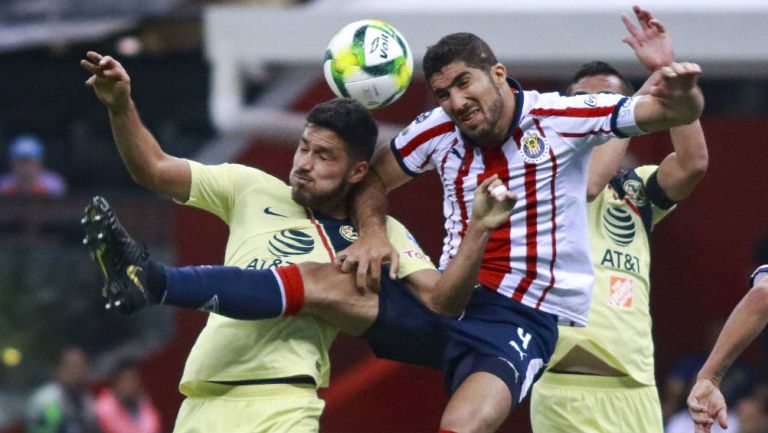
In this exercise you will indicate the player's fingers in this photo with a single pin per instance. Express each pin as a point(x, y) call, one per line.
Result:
point(658, 26)
point(88, 66)
point(394, 265)
point(89, 82)
point(361, 277)
point(348, 265)
point(722, 417)
point(373, 279)
point(510, 199)
point(107, 61)
point(632, 42)
point(485, 185)
point(668, 71)
point(643, 16)
point(631, 28)
point(93, 56)
point(339, 259)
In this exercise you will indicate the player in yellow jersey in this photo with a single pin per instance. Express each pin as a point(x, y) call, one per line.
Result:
point(262, 376)
point(601, 377)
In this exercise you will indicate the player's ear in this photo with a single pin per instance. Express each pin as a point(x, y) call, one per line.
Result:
point(499, 74)
point(357, 172)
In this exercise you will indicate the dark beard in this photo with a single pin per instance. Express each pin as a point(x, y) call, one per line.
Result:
point(323, 202)
point(494, 114)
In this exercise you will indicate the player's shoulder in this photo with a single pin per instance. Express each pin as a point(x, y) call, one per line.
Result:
point(396, 229)
point(550, 103)
point(433, 122)
point(236, 172)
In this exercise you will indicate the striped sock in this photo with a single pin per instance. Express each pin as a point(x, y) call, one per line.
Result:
point(246, 294)
point(293, 288)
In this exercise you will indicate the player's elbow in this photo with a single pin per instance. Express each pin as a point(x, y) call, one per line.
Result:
point(593, 190)
point(696, 166)
point(758, 296)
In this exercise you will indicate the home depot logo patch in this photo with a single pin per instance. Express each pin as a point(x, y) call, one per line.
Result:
point(622, 291)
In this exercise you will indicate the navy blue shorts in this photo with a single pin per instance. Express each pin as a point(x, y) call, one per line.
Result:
point(495, 335)
point(406, 330)
point(500, 336)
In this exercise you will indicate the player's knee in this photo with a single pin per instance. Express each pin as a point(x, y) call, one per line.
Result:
point(325, 283)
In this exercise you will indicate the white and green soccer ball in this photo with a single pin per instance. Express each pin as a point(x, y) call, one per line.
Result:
point(369, 61)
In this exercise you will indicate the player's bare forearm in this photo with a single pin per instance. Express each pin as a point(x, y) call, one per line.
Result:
point(605, 162)
point(369, 204)
point(491, 208)
point(452, 291)
point(745, 323)
point(681, 171)
point(148, 165)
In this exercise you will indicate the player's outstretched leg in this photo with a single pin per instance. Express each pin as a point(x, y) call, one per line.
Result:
point(123, 262)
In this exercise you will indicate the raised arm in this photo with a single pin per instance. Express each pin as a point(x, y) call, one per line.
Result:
point(652, 46)
point(680, 171)
point(448, 292)
point(748, 319)
point(369, 208)
point(148, 164)
point(671, 98)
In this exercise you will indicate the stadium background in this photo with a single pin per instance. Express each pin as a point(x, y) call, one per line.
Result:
point(219, 81)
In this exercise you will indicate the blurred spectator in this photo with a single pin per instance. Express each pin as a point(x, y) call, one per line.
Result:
point(124, 407)
point(739, 382)
point(28, 175)
point(752, 414)
point(63, 405)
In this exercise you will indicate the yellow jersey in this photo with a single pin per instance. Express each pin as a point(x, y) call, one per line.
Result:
point(619, 327)
point(268, 229)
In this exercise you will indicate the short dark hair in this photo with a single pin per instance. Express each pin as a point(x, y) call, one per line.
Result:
point(465, 47)
point(351, 121)
point(600, 68)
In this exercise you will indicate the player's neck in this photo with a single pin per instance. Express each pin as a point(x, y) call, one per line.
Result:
point(336, 209)
point(505, 126)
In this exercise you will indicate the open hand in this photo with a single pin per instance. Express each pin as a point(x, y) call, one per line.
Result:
point(651, 41)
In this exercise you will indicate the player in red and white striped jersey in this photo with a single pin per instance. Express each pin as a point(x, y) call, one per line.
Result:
point(539, 145)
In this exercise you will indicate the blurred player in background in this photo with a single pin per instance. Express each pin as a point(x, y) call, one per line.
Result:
point(601, 377)
point(64, 404)
point(705, 402)
point(536, 270)
point(263, 375)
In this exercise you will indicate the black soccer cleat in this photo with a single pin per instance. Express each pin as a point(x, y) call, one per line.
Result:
point(123, 262)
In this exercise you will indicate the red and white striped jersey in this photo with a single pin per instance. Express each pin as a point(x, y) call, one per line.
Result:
point(542, 256)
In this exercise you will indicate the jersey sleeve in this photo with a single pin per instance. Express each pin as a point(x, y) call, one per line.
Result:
point(661, 205)
point(415, 146)
point(589, 120)
point(216, 187)
point(412, 257)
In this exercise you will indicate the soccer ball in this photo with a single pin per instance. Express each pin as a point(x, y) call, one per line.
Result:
point(368, 61)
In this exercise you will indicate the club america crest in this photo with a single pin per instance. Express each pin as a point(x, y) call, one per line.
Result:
point(533, 148)
point(635, 192)
point(348, 233)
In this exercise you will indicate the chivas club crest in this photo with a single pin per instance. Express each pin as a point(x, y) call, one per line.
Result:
point(533, 148)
